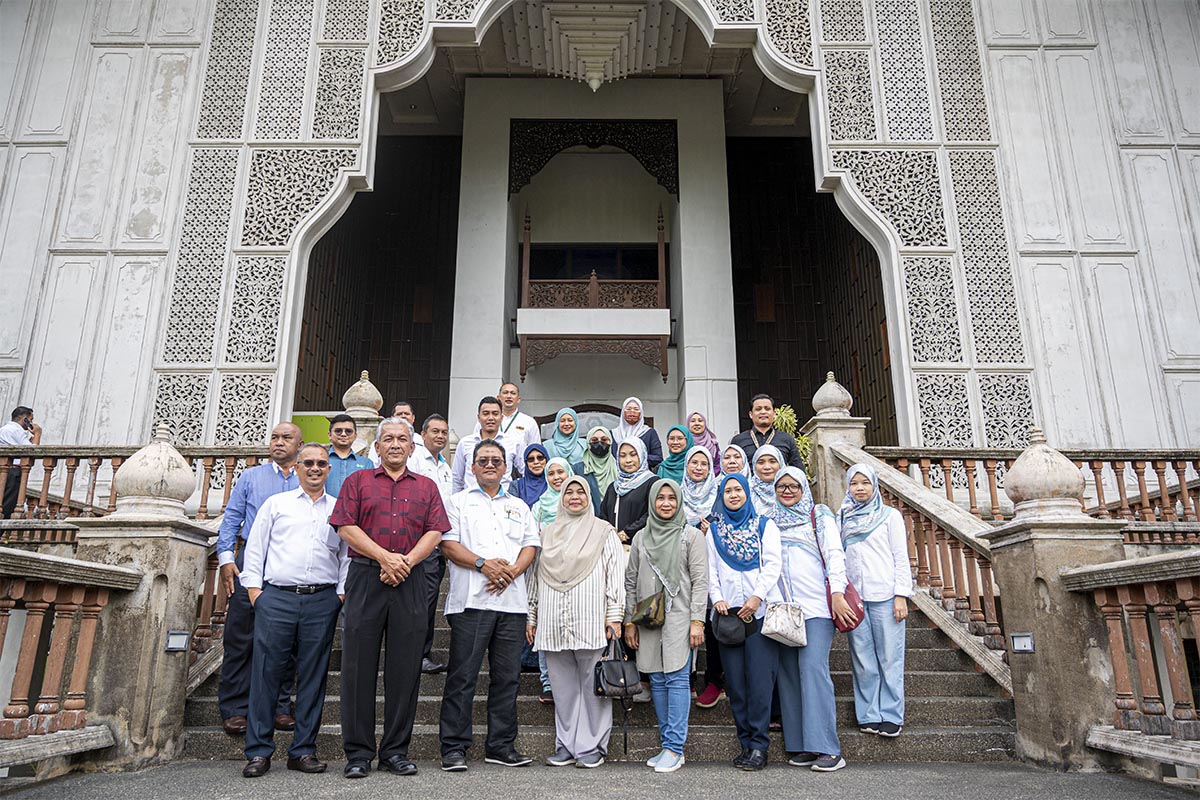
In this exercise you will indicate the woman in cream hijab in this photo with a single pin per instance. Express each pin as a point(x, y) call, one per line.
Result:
point(579, 577)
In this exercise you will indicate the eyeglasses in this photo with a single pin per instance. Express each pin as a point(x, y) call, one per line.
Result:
point(787, 488)
point(536, 457)
point(495, 461)
point(309, 463)
point(342, 431)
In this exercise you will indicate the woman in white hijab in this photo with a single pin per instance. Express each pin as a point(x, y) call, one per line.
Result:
point(633, 426)
point(576, 603)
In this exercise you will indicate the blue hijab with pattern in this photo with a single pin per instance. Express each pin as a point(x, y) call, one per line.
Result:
point(735, 532)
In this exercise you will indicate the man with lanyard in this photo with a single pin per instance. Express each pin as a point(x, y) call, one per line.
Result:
point(342, 459)
point(492, 541)
point(249, 493)
point(488, 428)
point(392, 519)
point(762, 432)
point(517, 429)
point(430, 462)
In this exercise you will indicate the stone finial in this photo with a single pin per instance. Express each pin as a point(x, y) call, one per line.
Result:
point(155, 480)
point(363, 398)
point(1043, 482)
point(832, 399)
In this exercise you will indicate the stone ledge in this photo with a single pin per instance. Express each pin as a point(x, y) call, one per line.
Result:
point(36, 566)
point(1164, 749)
point(1149, 569)
point(53, 745)
point(973, 646)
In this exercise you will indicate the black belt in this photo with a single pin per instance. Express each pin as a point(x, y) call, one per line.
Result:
point(311, 588)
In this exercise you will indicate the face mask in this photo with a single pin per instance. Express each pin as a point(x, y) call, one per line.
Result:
point(598, 448)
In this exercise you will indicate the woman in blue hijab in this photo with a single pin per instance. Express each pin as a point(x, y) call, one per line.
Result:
point(530, 486)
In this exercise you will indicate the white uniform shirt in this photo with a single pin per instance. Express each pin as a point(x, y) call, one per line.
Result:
point(13, 435)
point(878, 565)
point(726, 584)
point(517, 433)
point(292, 544)
point(436, 469)
point(803, 574)
point(490, 527)
point(464, 477)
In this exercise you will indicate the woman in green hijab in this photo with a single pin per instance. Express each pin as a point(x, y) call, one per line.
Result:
point(598, 466)
point(671, 557)
point(545, 510)
point(679, 441)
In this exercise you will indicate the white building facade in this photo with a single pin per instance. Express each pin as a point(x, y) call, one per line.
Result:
point(1027, 171)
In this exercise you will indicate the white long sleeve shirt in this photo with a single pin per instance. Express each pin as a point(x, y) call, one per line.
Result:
point(292, 544)
point(436, 469)
point(726, 584)
point(804, 577)
point(878, 565)
point(464, 477)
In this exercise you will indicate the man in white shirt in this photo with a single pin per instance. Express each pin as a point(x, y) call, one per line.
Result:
point(430, 462)
point(295, 574)
point(517, 429)
point(404, 410)
point(488, 428)
point(492, 541)
point(20, 431)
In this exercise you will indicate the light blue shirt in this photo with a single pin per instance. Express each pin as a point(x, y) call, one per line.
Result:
point(340, 469)
point(249, 493)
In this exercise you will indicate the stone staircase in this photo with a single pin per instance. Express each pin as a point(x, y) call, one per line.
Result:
point(954, 713)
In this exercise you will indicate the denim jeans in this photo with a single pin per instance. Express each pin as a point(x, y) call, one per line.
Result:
point(672, 693)
point(877, 660)
point(806, 699)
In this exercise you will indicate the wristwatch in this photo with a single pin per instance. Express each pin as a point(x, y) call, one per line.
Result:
point(479, 562)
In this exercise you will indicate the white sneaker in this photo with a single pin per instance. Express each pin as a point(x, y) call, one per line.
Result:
point(652, 761)
point(669, 762)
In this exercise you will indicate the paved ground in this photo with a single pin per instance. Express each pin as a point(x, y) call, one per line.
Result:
point(208, 780)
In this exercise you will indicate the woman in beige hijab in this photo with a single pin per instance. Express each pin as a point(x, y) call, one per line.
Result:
point(578, 580)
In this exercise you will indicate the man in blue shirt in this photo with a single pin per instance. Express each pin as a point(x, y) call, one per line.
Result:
point(342, 460)
point(249, 493)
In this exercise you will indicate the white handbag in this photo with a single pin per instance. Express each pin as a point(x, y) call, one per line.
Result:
point(784, 622)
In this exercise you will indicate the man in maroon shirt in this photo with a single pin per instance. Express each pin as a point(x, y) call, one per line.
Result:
point(392, 519)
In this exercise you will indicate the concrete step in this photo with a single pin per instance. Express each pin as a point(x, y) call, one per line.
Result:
point(919, 711)
point(705, 743)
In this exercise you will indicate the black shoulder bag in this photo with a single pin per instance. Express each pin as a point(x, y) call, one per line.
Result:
point(617, 677)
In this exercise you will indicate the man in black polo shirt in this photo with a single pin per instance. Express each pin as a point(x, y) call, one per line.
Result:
point(762, 432)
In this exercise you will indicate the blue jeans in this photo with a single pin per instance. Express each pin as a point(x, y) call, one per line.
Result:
point(672, 693)
point(806, 699)
point(877, 659)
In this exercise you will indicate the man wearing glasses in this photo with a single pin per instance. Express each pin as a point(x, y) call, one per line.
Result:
point(295, 574)
point(342, 460)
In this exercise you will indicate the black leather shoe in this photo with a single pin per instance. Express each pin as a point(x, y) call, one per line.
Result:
point(741, 759)
point(454, 761)
point(356, 769)
point(510, 759)
point(755, 761)
point(257, 767)
point(397, 765)
point(431, 667)
point(308, 763)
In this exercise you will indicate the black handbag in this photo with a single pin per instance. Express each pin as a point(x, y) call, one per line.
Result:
point(617, 677)
point(731, 630)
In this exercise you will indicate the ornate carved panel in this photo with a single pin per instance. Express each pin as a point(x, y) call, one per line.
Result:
point(532, 143)
point(180, 400)
point(902, 62)
point(254, 311)
point(401, 23)
point(851, 93)
point(960, 78)
point(200, 265)
point(285, 65)
point(339, 99)
point(549, 294)
point(983, 240)
point(286, 183)
point(648, 351)
point(1007, 409)
point(243, 407)
point(944, 409)
point(736, 10)
point(789, 27)
point(932, 310)
point(843, 21)
point(904, 185)
point(455, 10)
point(628, 294)
point(227, 77)
point(346, 20)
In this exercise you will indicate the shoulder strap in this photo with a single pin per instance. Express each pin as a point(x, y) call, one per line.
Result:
point(817, 537)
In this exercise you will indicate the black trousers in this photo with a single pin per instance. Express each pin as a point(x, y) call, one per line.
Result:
point(435, 570)
point(12, 488)
point(472, 633)
point(750, 674)
point(714, 671)
point(286, 623)
point(233, 692)
point(377, 614)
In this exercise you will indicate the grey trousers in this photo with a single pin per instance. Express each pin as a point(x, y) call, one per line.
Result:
point(582, 721)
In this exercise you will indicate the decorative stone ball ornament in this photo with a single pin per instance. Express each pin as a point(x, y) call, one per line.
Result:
point(154, 480)
point(832, 399)
point(363, 398)
point(1043, 481)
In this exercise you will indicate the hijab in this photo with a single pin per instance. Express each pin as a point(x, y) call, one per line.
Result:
point(796, 522)
point(566, 445)
point(602, 468)
point(735, 534)
point(860, 520)
point(709, 442)
point(662, 539)
point(764, 491)
point(624, 431)
point(674, 465)
point(572, 544)
point(698, 497)
point(628, 481)
point(745, 473)
point(529, 487)
point(547, 505)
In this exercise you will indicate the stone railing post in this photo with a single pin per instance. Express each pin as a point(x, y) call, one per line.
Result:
point(832, 424)
point(134, 685)
point(1064, 686)
point(362, 401)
